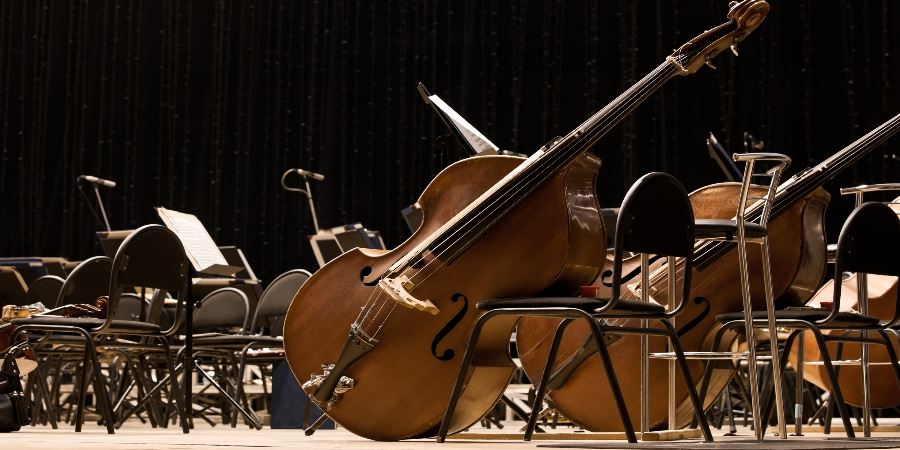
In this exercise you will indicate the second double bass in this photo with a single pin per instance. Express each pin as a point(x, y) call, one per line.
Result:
point(797, 245)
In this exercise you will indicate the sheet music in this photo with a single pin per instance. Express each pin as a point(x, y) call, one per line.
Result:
point(472, 135)
point(198, 244)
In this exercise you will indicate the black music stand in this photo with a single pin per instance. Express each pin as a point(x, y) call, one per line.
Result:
point(206, 259)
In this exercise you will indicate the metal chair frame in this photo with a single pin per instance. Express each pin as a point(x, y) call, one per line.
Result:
point(599, 328)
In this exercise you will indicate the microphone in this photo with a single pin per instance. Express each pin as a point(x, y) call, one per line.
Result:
point(97, 181)
point(308, 174)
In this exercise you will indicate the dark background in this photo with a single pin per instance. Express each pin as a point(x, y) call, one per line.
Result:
point(200, 105)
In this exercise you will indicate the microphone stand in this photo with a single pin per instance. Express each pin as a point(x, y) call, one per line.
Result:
point(102, 209)
point(307, 192)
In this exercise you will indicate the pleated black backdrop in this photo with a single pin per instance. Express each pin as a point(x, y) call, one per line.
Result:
point(199, 105)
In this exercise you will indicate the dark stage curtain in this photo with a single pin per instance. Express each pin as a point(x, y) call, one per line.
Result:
point(199, 105)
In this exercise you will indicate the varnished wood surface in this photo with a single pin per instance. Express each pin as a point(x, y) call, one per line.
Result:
point(882, 292)
point(798, 256)
point(401, 387)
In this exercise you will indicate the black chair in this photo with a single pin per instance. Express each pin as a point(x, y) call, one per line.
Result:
point(87, 282)
point(655, 218)
point(268, 328)
point(223, 312)
point(44, 290)
point(867, 244)
point(150, 258)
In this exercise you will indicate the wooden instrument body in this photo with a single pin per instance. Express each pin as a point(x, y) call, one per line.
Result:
point(403, 385)
point(797, 244)
point(882, 294)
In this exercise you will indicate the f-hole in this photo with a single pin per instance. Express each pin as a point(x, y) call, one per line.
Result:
point(365, 272)
point(449, 353)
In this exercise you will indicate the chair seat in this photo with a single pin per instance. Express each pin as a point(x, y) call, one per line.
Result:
point(844, 319)
point(587, 304)
point(726, 229)
point(117, 326)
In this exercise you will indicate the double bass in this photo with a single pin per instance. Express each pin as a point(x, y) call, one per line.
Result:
point(376, 337)
point(579, 389)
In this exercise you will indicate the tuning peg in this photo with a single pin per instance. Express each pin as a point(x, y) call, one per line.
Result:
point(734, 50)
point(711, 66)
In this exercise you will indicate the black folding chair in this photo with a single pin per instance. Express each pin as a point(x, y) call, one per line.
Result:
point(150, 258)
point(655, 219)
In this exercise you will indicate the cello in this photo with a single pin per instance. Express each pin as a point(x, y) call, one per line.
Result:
point(376, 338)
point(798, 256)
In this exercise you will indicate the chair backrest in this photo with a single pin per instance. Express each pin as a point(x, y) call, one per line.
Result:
point(869, 243)
point(45, 290)
point(88, 281)
point(151, 257)
point(131, 307)
point(656, 218)
point(275, 300)
point(222, 310)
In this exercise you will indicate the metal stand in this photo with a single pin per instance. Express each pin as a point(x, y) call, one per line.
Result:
point(306, 191)
point(102, 209)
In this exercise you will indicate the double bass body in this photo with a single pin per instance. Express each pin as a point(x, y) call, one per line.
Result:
point(797, 244)
point(401, 387)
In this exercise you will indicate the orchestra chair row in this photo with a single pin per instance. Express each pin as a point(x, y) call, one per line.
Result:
point(228, 340)
point(263, 331)
point(152, 258)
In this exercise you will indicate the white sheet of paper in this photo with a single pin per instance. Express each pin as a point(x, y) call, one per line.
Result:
point(198, 244)
point(477, 140)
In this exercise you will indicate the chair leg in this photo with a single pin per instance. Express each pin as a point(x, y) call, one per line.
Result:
point(545, 376)
point(101, 394)
point(461, 377)
point(782, 363)
point(83, 378)
point(773, 339)
point(688, 381)
point(836, 395)
point(184, 411)
point(892, 355)
point(597, 331)
point(45, 396)
point(758, 426)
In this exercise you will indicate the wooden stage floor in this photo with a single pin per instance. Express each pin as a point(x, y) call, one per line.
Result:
point(137, 436)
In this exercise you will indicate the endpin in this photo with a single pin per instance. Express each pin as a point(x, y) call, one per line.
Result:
point(734, 50)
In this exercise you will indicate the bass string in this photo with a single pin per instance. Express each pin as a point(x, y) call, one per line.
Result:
point(838, 162)
point(651, 83)
point(488, 216)
point(507, 199)
point(433, 267)
point(608, 117)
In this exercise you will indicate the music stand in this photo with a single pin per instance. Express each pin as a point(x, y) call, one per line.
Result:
point(206, 258)
point(111, 240)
